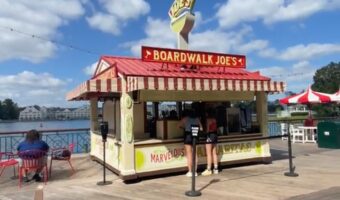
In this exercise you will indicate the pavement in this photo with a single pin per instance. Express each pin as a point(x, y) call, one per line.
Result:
point(318, 170)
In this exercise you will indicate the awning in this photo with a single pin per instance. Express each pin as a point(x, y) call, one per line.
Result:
point(141, 75)
point(95, 87)
point(192, 84)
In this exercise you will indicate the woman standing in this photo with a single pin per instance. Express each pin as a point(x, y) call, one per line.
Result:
point(189, 119)
point(210, 145)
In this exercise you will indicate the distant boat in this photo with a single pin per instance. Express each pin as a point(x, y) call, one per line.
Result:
point(41, 125)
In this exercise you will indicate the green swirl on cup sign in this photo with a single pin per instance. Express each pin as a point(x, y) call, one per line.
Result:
point(129, 126)
point(128, 102)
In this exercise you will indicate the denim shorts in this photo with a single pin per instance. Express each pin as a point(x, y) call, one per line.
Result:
point(212, 138)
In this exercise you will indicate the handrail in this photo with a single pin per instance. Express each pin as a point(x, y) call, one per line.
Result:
point(299, 120)
point(44, 131)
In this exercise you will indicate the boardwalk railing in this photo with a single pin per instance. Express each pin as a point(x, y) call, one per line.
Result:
point(54, 138)
point(274, 126)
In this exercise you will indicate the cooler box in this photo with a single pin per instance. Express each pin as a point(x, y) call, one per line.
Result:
point(329, 135)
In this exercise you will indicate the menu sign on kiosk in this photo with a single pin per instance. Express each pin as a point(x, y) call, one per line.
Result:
point(176, 56)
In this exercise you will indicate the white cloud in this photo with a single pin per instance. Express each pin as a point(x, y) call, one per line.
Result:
point(117, 13)
point(158, 33)
point(302, 52)
point(233, 12)
point(41, 18)
point(28, 88)
point(198, 20)
point(104, 22)
point(298, 77)
point(127, 9)
point(89, 70)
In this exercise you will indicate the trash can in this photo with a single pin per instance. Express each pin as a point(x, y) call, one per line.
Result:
point(329, 135)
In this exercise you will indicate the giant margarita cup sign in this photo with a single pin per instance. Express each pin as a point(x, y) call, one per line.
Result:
point(180, 13)
point(179, 7)
point(152, 54)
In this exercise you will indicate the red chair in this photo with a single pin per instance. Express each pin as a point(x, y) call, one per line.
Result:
point(7, 162)
point(33, 160)
point(63, 154)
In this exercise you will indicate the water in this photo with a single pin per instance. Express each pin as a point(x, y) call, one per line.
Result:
point(43, 125)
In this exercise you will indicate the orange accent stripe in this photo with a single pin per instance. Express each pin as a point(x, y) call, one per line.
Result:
point(98, 85)
point(108, 85)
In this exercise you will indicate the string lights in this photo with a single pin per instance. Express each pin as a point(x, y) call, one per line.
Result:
point(90, 52)
point(49, 40)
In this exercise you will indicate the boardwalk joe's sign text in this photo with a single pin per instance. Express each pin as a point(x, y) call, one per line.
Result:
point(151, 54)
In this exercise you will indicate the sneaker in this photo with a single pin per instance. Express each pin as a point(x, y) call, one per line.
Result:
point(215, 171)
point(37, 178)
point(189, 174)
point(26, 179)
point(206, 172)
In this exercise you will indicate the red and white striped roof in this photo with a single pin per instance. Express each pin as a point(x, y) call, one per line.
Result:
point(308, 97)
point(141, 75)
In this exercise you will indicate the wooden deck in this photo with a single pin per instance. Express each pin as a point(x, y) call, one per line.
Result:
point(318, 169)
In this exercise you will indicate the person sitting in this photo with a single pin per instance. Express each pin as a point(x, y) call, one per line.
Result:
point(33, 142)
point(309, 122)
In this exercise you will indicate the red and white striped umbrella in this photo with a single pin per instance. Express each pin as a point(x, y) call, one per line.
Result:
point(308, 97)
point(336, 96)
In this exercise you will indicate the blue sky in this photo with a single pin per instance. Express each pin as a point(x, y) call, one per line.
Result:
point(285, 39)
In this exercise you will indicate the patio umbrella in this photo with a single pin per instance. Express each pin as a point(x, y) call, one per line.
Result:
point(308, 98)
point(336, 96)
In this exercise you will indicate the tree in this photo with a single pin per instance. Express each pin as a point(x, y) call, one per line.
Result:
point(10, 110)
point(327, 79)
point(274, 106)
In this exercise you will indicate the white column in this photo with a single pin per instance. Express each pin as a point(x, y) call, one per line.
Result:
point(127, 135)
point(261, 108)
point(94, 114)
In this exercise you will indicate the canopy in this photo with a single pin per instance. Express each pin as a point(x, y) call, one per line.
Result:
point(136, 74)
point(308, 97)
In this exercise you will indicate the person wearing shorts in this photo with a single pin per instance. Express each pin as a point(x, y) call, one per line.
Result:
point(189, 119)
point(33, 142)
point(211, 143)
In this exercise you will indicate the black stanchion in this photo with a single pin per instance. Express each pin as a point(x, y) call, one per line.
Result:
point(193, 192)
point(104, 129)
point(291, 172)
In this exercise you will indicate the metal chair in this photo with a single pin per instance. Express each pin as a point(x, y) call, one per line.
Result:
point(33, 160)
point(63, 154)
point(7, 162)
point(284, 131)
point(297, 134)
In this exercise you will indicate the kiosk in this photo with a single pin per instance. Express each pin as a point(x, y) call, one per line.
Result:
point(125, 85)
point(141, 145)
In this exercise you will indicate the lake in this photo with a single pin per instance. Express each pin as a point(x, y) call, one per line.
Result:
point(43, 125)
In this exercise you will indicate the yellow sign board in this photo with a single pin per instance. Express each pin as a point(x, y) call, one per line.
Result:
point(179, 7)
point(160, 157)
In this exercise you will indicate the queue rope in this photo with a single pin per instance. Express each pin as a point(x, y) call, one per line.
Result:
point(291, 172)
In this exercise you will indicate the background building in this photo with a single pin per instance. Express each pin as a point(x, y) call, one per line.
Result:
point(42, 113)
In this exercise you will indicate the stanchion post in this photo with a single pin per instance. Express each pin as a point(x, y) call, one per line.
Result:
point(291, 172)
point(193, 192)
point(104, 129)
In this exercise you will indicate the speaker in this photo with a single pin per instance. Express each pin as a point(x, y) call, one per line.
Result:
point(104, 130)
